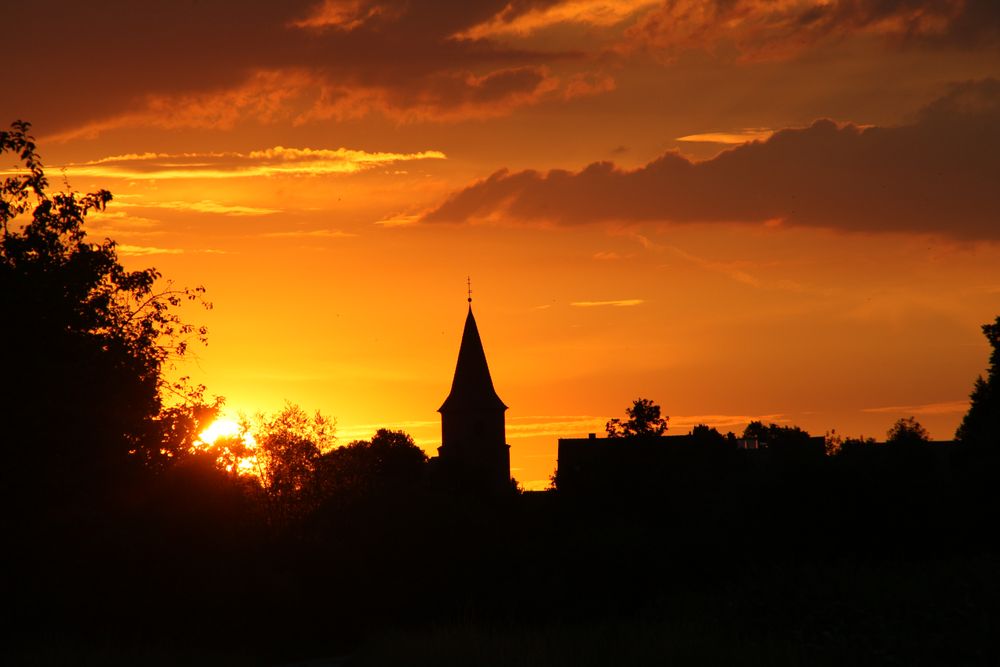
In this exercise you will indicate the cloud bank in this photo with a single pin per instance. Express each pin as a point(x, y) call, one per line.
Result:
point(937, 175)
point(216, 63)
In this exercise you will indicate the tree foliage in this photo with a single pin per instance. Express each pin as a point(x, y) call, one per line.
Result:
point(787, 443)
point(981, 425)
point(390, 459)
point(907, 431)
point(708, 436)
point(644, 419)
point(774, 434)
point(85, 342)
point(288, 446)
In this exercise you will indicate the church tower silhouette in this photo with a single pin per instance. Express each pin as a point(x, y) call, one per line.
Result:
point(474, 449)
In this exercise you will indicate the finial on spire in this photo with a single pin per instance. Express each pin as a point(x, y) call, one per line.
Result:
point(468, 282)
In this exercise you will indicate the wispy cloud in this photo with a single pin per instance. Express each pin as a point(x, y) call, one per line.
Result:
point(735, 270)
point(343, 15)
point(619, 303)
point(398, 220)
point(122, 223)
point(769, 30)
point(139, 250)
point(128, 250)
point(311, 233)
point(729, 138)
point(276, 161)
point(514, 21)
point(681, 424)
point(943, 408)
point(202, 206)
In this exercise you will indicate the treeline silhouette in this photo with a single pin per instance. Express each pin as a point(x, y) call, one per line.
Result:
point(123, 532)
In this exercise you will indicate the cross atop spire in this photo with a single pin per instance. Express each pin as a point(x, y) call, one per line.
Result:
point(468, 282)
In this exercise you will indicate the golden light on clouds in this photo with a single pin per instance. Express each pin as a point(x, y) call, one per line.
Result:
point(200, 206)
point(341, 14)
point(276, 161)
point(618, 303)
point(728, 138)
point(128, 250)
point(591, 12)
point(946, 408)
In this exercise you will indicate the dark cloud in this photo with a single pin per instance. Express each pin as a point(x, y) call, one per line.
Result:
point(79, 68)
point(938, 175)
point(78, 63)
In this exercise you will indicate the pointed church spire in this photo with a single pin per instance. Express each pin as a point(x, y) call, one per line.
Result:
point(472, 387)
point(474, 452)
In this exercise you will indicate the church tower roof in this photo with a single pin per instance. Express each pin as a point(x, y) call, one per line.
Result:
point(472, 388)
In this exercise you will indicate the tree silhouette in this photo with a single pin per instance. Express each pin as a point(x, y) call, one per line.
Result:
point(389, 460)
point(981, 425)
point(288, 446)
point(85, 342)
point(906, 432)
point(643, 420)
point(785, 442)
point(704, 432)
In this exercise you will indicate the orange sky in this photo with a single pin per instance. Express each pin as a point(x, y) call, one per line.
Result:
point(332, 171)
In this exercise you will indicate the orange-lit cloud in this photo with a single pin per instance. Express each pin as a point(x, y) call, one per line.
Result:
point(778, 29)
point(937, 175)
point(400, 220)
point(944, 408)
point(618, 303)
point(730, 138)
point(344, 14)
point(299, 97)
point(516, 19)
point(608, 256)
point(304, 61)
point(138, 250)
point(201, 206)
point(312, 233)
point(447, 96)
point(585, 84)
point(296, 61)
point(266, 162)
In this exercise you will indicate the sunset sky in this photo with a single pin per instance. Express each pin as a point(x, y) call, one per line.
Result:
point(785, 210)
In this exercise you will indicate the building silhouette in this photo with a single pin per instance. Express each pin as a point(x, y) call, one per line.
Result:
point(474, 452)
point(649, 462)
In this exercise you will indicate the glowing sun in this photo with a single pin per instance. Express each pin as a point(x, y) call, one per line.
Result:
point(225, 436)
point(222, 428)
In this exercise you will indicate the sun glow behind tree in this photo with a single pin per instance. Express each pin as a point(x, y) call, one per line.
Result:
point(233, 444)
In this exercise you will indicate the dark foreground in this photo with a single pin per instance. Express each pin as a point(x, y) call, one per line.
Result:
point(872, 561)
